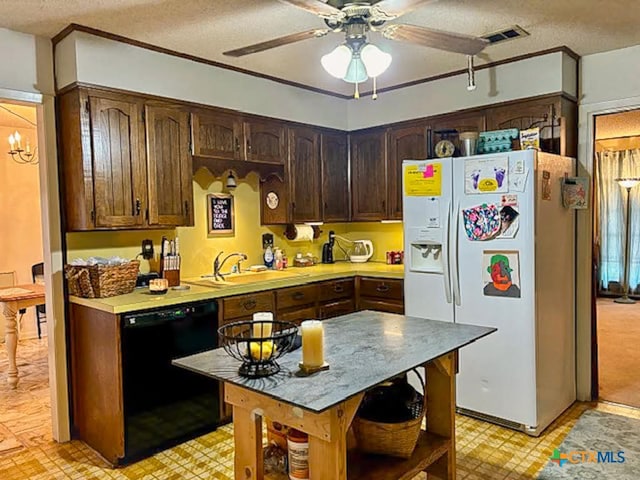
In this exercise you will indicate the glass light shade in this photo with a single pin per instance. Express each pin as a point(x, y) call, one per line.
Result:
point(628, 182)
point(356, 73)
point(375, 60)
point(337, 61)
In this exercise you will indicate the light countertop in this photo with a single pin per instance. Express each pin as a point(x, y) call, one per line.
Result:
point(141, 299)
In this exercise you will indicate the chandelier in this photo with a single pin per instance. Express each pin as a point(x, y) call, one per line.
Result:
point(18, 154)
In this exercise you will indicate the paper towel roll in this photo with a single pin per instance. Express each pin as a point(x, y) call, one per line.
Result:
point(300, 233)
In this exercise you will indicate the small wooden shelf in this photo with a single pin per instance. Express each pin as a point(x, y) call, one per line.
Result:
point(429, 449)
point(361, 466)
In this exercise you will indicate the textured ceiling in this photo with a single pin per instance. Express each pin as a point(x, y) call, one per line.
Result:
point(615, 125)
point(206, 28)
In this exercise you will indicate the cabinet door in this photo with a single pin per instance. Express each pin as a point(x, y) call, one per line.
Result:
point(409, 143)
point(119, 174)
point(336, 309)
point(542, 113)
point(265, 141)
point(217, 135)
point(298, 315)
point(368, 176)
point(304, 174)
point(169, 166)
point(335, 177)
point(461, 122)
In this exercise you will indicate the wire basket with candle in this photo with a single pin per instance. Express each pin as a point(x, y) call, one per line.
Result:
point(258, 344)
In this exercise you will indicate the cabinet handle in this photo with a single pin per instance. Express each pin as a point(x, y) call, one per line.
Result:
point(298, 296)
point(338, 289)
point(293, 205)
point(248, 146)
point(382, 288)
point(237, 144)
point(326, 206)
point(138, 206)
point(384, 205)
point(249, 304)
point(186, 207)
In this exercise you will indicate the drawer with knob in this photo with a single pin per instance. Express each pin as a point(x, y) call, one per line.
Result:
point(336, 289)
point(296, 296)
point(390, 289)
point(244, 306)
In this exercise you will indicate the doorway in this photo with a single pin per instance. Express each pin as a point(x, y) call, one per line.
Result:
point(26, 416)
point(616, 249)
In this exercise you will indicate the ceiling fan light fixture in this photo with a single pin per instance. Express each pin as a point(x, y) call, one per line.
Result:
point(336, 62)
point(375, 60)
point(356, 72)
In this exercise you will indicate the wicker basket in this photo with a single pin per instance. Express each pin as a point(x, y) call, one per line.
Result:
point(393, 439)
point(99, 281)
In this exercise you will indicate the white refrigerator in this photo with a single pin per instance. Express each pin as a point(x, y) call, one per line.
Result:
point(487, 241)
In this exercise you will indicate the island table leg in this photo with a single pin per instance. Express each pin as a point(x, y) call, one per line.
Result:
point(441, 418)
point(11, 341)
point(247, 438)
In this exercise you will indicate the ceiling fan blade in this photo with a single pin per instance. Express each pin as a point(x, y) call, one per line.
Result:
point(429, 37)
point(390, 9)
point(316, 7)
point(277, 42)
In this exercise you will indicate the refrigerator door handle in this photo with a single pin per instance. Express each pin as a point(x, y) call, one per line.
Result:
point(447, 268)
point(455, 266)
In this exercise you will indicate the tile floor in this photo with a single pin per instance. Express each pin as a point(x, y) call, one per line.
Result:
point(484, 451)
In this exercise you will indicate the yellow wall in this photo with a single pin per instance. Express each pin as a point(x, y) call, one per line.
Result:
point(198, 249)
point(21, 239)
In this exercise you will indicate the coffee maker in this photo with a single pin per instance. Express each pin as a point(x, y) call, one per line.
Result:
point(327, 248)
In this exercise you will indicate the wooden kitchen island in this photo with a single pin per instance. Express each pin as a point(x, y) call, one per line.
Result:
point(363, 349)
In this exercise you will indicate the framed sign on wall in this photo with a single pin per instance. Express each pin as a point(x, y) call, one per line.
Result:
point(220, 214)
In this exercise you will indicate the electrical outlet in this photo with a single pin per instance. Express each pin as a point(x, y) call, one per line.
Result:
point(147, 249)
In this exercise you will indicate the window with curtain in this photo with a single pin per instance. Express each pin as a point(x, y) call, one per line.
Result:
point(611, 217)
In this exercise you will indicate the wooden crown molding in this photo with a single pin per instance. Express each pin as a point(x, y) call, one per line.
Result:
point(74, 27)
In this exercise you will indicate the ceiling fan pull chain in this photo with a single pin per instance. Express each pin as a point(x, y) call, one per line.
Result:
point(375, 94)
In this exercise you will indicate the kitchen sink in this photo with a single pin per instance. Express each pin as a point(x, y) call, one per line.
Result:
point(246, 277)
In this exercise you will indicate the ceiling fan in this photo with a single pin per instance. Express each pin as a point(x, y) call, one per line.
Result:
point(357, 59)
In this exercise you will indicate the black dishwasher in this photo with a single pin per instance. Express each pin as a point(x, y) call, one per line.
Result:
point(163, 404)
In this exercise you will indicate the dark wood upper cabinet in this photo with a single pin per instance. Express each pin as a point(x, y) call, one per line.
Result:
point(408, 143)
point(461, 122)
point(544, 113)
point(265, 141)
point(334, 157)
point(125, 161)
point(304, 174)
point(217, 135)
point(368, 176)
point(228, 136)
point(118, 162)
point(169, 166)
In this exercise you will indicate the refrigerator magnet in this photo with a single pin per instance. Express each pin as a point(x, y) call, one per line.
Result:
point(501, 273)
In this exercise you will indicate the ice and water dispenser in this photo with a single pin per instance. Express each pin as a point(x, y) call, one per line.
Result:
point(426, 254)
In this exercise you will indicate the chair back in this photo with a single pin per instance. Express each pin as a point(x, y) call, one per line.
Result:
point(7, 279)
point(37, 273)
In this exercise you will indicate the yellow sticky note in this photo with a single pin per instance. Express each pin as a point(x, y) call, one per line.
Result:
point(423, 180)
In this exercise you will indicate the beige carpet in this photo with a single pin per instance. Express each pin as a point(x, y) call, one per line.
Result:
point(619, 352)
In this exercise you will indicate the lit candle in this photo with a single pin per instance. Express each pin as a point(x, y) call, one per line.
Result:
point(312, 343)
point(262, 324)
point(17, 137)
point(28, 147)
point(12, 141)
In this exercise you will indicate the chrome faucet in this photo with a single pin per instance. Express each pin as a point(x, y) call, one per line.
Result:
point(217, 264)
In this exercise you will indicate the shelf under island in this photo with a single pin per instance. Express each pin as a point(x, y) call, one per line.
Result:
point(363, 350)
